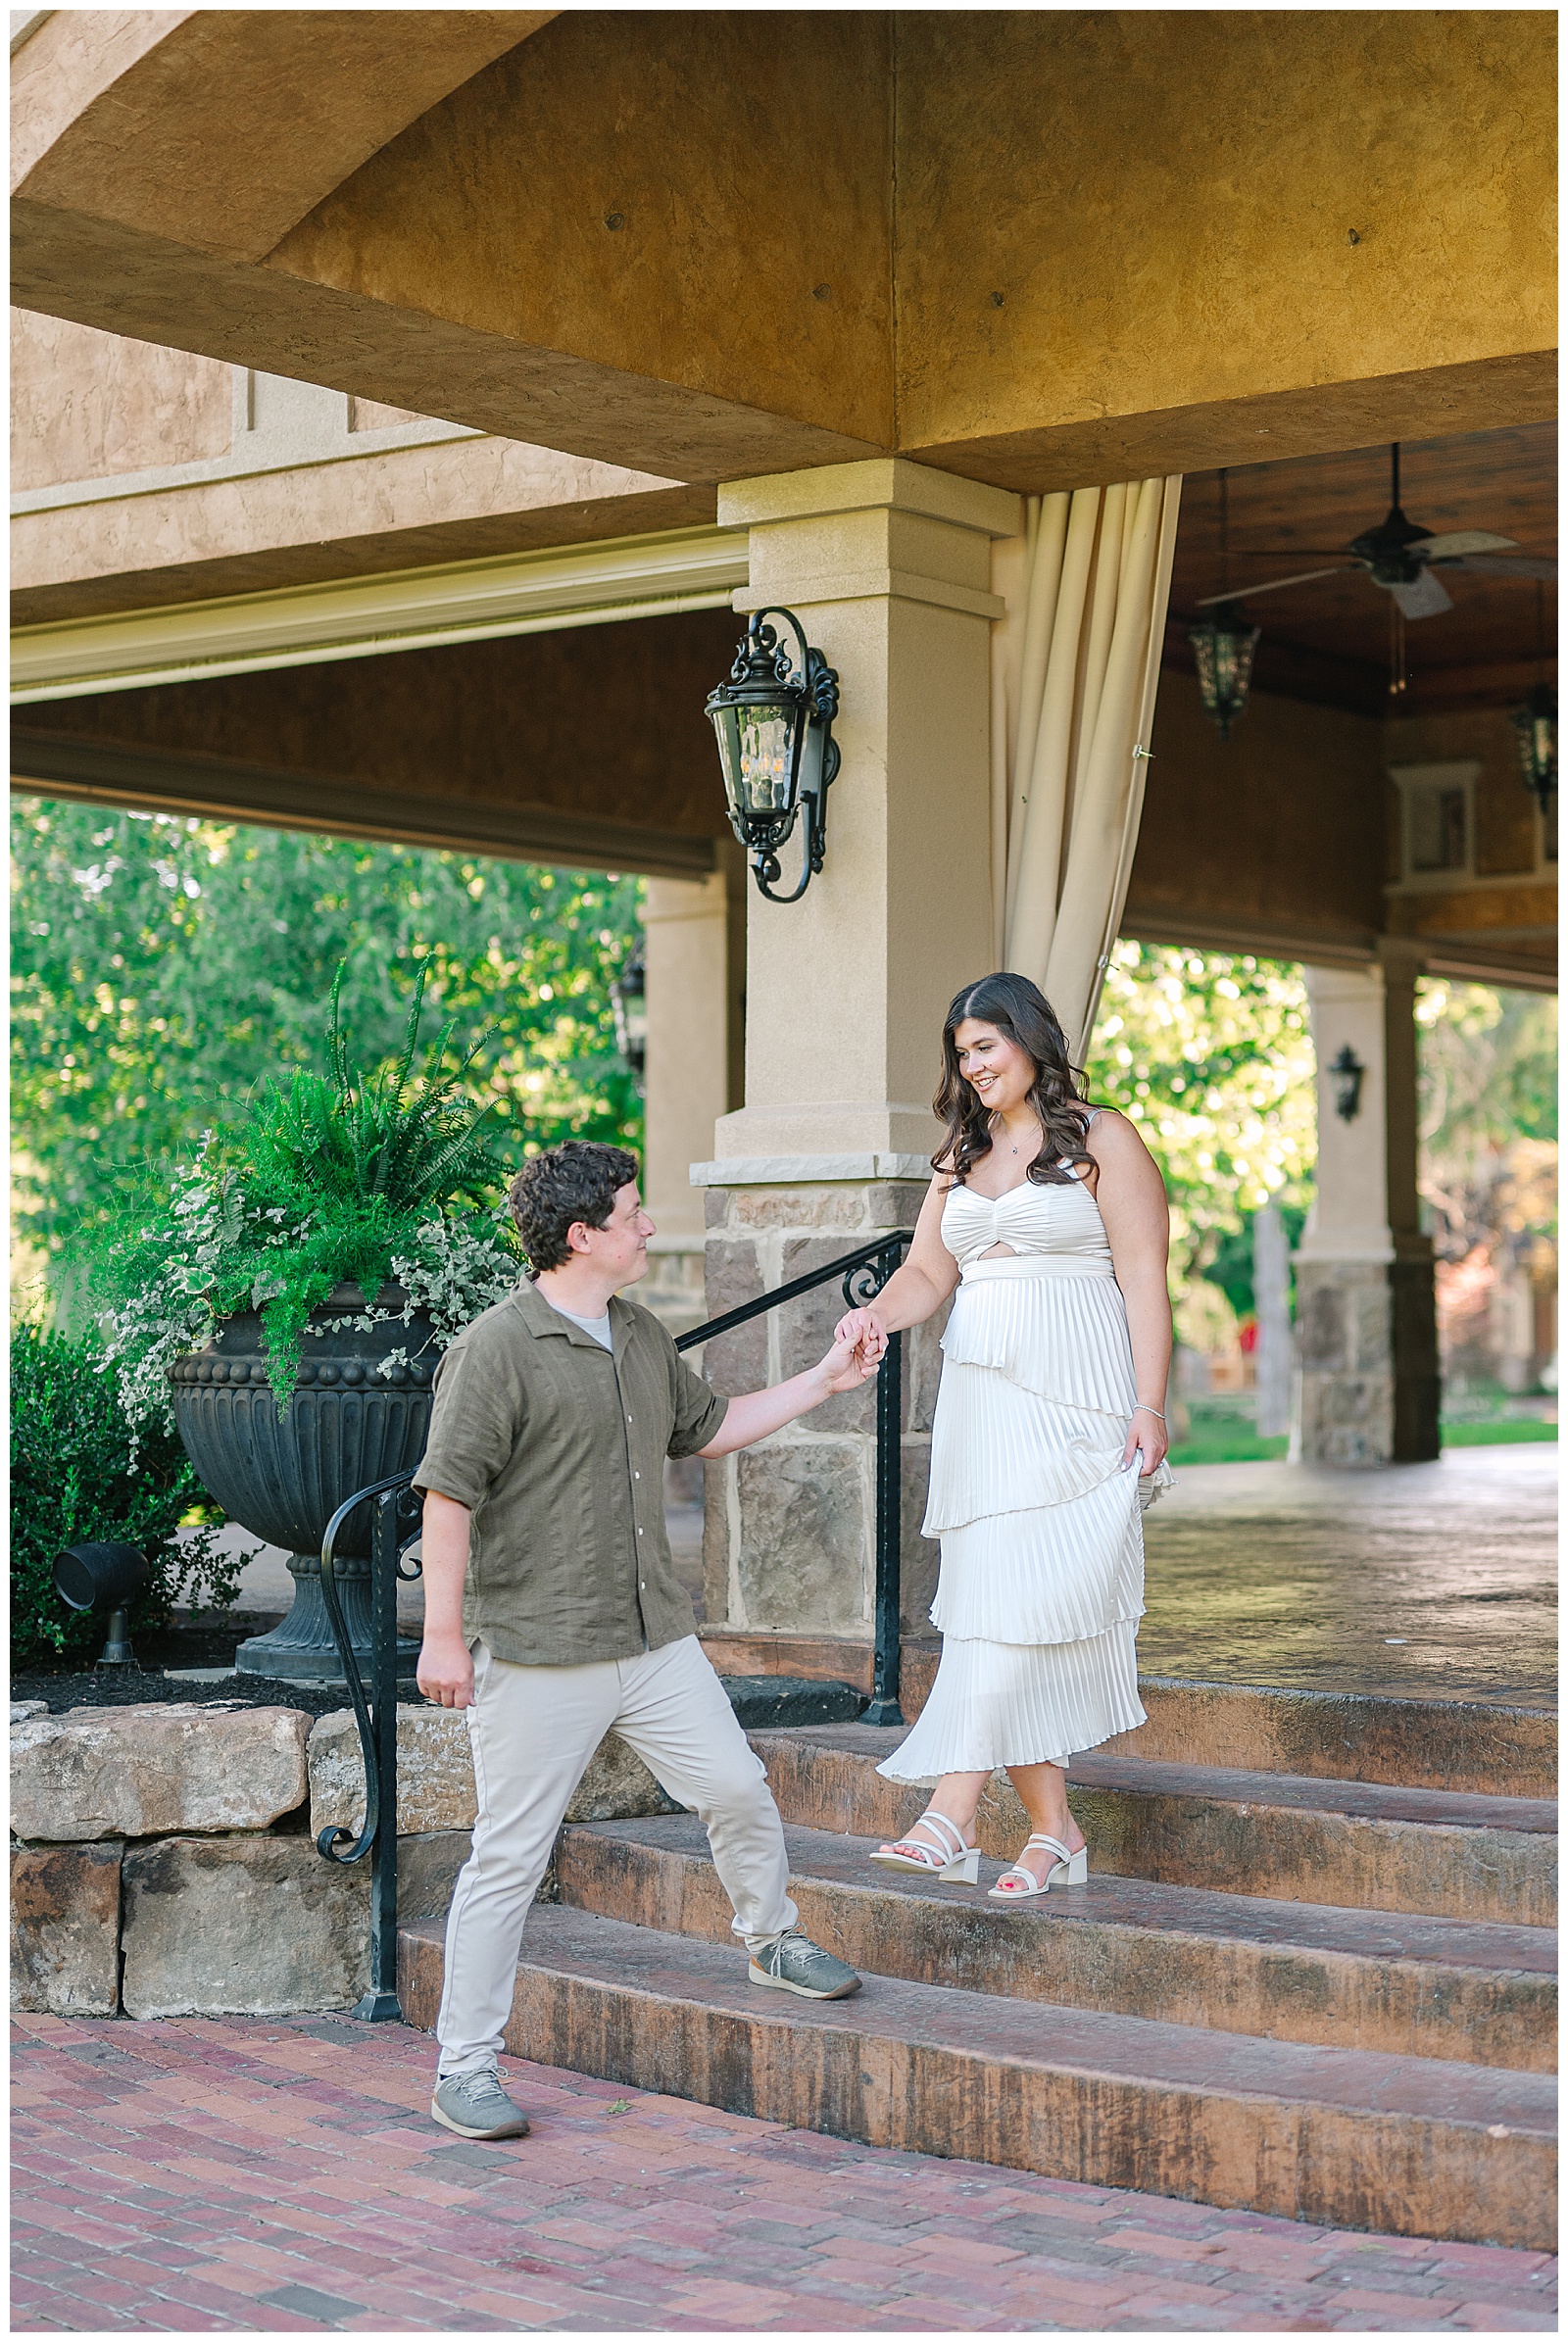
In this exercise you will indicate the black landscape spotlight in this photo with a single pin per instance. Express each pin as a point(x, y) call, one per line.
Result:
point(104, 1577)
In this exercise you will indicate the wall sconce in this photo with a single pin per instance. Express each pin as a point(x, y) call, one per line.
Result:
point(628, 1002)
point(774, 724)
point(1535, 727)
point(1534, 724)
point(1347, 1074)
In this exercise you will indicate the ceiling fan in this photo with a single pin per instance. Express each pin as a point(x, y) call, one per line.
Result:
point(1401, 558)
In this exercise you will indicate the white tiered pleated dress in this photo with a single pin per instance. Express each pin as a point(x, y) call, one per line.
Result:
point(1042, 1581)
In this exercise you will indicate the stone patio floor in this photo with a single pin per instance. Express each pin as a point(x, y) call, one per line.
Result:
point(282, 2175)
point(1421, 1580)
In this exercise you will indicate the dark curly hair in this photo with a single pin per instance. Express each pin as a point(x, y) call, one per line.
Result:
point(1021, 1010)
point(575, 1181)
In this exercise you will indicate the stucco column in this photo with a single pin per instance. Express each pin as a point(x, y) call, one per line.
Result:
point(1368, 1385)
point(887, 565)
point(694, 949)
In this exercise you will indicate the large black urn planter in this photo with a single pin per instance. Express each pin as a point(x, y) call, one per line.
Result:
point(283, 1478)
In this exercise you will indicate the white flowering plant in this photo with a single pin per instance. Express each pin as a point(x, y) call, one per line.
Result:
point(332, 1180)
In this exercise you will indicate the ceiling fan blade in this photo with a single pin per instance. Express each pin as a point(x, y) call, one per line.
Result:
point(1274, 585)
point(1462, 540)
point(1422, 598)
point(1502, 564)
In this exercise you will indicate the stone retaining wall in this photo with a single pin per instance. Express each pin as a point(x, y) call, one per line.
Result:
point(163, 1858)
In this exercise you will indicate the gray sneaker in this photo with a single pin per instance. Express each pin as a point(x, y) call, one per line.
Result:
point(477, 2107)
point(794, 1964)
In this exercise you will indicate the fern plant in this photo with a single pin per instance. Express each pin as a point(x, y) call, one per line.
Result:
point(333, 1178)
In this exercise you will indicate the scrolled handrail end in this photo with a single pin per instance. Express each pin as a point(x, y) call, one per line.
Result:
point(331, 1841)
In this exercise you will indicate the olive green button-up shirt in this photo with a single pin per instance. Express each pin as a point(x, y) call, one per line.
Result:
point(556, 1447)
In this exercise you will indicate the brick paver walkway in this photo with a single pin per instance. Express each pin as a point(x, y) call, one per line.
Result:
point(283, 2176)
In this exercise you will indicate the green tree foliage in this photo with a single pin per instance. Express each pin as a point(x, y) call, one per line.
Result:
point(1489, 1115)
point(1210, 1054)
point(74, 1480)
point(163, 967)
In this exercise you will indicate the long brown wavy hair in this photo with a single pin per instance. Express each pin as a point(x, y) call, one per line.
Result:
point(1021, 1010)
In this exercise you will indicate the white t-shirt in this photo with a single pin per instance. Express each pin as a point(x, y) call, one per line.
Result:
point(598, 1327)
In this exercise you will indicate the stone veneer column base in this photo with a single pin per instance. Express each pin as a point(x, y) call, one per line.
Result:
point(789, 1543)
point(1368, 1361)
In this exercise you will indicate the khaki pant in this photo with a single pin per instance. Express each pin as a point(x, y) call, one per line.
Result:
point(533, 1730)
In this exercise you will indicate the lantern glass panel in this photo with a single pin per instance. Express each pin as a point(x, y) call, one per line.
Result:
point(755, 747)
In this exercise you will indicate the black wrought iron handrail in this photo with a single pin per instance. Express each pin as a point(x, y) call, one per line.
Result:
point(863, 1272)
point(378, 1721)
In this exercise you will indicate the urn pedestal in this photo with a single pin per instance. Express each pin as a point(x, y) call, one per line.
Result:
point(357, 1416)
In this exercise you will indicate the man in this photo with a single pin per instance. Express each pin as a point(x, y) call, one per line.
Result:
point(552, 1610)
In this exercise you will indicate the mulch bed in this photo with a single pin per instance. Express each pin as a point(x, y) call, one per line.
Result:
point(204, 1641)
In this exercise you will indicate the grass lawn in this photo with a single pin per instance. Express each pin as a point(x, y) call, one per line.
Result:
point(1211, 1443)
point(1496, 1434)
point(1222, 1435)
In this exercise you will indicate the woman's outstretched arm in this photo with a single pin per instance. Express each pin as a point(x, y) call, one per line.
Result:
point(1131, 1195)
point(913, 1292)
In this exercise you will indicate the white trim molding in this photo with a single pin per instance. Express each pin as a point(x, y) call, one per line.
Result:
point(410, 610)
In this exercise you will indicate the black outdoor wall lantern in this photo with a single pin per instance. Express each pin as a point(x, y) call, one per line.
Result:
point(1534, 724)
point(1535, 728)
point(1347, 1074)
point(775, 723)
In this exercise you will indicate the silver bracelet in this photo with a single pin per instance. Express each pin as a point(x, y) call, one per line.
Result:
point(1144, 1408)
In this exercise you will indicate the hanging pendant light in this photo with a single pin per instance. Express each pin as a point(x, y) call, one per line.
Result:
point(1534, 724)
point(1224, 644)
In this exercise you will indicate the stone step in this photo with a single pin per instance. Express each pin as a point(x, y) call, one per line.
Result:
point(1294, 1972)
point(1469, 1746)
point(1356, 1844)
point(1466, 1746)
point(1344, 2138)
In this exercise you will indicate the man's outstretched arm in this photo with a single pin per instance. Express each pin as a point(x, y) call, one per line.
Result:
point(446, 1664)
point(756, 1413)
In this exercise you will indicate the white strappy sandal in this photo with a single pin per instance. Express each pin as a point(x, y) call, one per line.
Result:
point(1069, 1870)
point(949, 1859)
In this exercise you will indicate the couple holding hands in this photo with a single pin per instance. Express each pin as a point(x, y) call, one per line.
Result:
point(553, 1613)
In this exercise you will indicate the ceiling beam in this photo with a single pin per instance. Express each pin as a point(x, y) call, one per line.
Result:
point(362, 618)
point(221, 789)
point(1039, 247)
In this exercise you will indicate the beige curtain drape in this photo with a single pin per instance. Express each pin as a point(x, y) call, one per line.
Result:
point(1075, 667)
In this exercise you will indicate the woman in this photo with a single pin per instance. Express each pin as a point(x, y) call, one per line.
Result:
point(1051, 1221)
